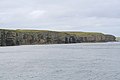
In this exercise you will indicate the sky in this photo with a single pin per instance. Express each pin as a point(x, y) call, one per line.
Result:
point(62, 15)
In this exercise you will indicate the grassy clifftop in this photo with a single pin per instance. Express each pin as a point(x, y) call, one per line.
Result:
point(67, 32)
point(84, 33)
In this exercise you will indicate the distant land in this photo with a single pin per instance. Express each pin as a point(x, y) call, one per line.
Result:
point(32, 37)
point(118, 39)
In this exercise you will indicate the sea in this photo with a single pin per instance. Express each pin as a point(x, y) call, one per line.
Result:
point(82, 61)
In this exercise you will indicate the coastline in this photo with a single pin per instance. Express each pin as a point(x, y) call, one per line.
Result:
point(38, 37)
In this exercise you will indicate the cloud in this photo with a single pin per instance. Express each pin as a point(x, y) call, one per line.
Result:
point(82, 15)
point(37, 13)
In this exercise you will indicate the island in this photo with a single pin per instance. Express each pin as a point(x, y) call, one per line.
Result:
point(32, 37)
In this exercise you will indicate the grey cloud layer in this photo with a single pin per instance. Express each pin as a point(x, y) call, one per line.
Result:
point(80, 15)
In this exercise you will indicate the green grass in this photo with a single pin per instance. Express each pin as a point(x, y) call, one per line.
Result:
point(20, 30)
point(85, 33)
point(60, 33)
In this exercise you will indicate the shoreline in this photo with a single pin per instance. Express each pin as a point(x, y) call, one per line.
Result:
point(61, 44)
point(33, 37)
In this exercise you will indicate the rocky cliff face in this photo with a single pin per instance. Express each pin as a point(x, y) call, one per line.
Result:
point(28, 37)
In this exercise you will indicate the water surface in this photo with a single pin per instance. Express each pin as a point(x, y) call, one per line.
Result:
point(85, 61)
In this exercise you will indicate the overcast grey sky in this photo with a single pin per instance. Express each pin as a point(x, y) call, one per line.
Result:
point(75, 15)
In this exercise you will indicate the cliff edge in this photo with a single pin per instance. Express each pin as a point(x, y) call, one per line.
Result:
point(31, 37)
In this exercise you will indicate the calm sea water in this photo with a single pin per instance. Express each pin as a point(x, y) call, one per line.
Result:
point(85, 61)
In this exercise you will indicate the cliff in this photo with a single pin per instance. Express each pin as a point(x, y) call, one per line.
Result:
point(28, 37)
